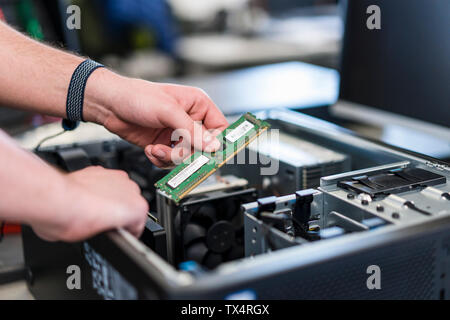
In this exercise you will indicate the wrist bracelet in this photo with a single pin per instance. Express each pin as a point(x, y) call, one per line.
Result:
point(77, 86)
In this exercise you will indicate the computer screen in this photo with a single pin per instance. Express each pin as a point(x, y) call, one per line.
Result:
point(403, 67)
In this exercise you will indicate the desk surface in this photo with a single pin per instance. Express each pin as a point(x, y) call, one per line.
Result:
point(15, 291)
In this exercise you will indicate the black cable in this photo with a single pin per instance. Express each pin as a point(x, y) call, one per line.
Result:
point(412, 206)
point(303, 232)
point(47, 139)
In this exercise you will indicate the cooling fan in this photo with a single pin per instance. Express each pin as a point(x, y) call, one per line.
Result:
point(213, 232)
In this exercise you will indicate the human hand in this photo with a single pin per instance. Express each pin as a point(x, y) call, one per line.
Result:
point(94, 200)
point(148, 114)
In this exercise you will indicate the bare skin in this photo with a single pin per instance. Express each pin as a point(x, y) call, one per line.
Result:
point(76, 206)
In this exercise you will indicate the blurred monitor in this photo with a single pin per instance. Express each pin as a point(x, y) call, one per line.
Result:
point(403, 68)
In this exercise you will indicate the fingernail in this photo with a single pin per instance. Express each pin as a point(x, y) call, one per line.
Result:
point(159, 154)
point(148, 153)
point(213, 146)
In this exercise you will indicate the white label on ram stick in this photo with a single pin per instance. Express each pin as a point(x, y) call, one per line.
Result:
point(240, 131)
point(187, 172)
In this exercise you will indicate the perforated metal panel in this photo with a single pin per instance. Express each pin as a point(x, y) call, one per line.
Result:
point(408, 271)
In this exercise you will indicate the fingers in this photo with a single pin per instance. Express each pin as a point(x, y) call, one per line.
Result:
point(164, 156)
point(161, 164)
point(191, 117)
point(192, 131)
point(164, 137)
point(137, 225)
point(213, 118)
point(159, 156)
point(111, 200)
point(136, 229)
point(205, 110)
point(130, 214)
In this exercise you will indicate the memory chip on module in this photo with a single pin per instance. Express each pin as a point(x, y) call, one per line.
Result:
point(198, 167)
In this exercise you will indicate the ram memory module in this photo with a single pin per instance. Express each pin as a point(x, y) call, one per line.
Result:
point(199, 166)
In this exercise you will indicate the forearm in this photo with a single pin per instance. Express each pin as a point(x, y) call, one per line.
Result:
point(31, 191)
point(66, 206)
point(36, 77)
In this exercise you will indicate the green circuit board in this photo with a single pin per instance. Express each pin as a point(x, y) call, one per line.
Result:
point(199, 166)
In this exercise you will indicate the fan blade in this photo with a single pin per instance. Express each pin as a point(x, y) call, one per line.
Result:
point(220, 237)
point(229, 207)
point(206, 215)
point(212, 260)
point(196, 252)
point(193, 232)
point(237, 252)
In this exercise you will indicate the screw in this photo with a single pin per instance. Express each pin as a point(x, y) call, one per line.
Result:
point(396, 215)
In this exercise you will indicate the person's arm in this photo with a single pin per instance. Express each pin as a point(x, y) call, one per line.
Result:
point(36, 77)
point(68, 207)
point(74, 206)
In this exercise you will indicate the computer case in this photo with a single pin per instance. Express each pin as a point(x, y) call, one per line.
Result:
point(337, 237)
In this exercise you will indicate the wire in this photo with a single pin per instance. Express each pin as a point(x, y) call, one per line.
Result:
point(303, 232)
point(47, 139)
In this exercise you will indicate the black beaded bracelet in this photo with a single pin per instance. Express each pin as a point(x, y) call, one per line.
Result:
point(75, 95)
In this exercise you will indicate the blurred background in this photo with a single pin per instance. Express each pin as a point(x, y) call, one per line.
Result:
point(312, 56)
point(185, 41)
